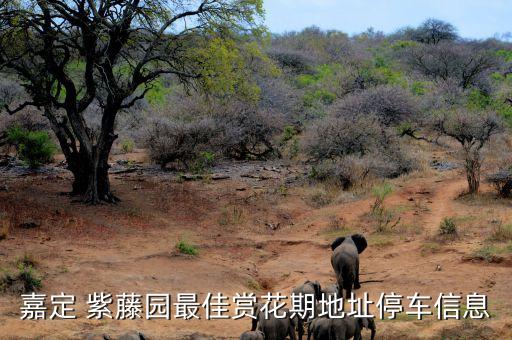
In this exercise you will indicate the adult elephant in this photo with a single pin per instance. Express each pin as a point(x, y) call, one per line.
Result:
point(345, 262)
point(312, 288)
point(272, 327)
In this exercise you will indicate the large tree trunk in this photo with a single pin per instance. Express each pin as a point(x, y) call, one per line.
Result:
point(90, 171)
point(473, 173)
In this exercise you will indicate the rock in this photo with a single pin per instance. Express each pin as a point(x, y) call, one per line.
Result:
point(29, 225)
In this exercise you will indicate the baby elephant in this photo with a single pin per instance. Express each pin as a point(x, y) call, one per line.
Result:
point(340, 329)
point(252, 335)
point(345, 262)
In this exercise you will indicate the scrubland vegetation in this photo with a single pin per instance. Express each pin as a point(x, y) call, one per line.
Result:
point(259, 147)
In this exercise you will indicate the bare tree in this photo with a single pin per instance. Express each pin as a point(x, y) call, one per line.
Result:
point(72, 54)
point(461, 61)
point(472, 130)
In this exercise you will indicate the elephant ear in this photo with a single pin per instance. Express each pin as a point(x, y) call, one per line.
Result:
point(337, 242)
point(364, 323)
point(360, 242)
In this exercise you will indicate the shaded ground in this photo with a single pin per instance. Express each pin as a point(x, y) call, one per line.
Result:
point(256, 228)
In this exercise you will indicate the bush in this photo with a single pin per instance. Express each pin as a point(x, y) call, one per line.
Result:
point(34, 147)
point(333, 138)
point(391, 105)
point(186, 248)
point(349, 150)
point(24, 281)
point(502, 182)
point(170, 141)
point(247, 133)
point(448, 227)
point(501, 232)
point(345, 173)
point(127, 145)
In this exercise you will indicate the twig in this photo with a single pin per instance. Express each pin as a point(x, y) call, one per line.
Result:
point(372, 281)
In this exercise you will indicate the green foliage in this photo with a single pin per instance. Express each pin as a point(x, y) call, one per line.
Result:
point(380, 192)
point(25, 280)
point(226, 67)
point(186, 248)
point(387, 75)
point(157, 95)
point(384, 217)
point(127, 145)
point(477, 100)
point(419, 88)
point(505, 54)
point(402, 44)
point(320, 95)
point(322, 72)
point(288, 133)
point(34, 147)
point(448, 227)
point(205, 160)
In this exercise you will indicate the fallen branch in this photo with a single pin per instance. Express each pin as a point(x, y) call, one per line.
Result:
point(372, 281)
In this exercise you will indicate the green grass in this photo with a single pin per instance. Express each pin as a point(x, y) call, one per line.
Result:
point(448, 227)
point(489, 252)
point(24, 280)
point(501, 232)
point(253, 284)
point(186, 248)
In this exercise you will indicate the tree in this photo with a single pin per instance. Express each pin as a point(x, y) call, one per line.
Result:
point(464, 62)
point(71, 55)
point(472, 130)
point(433, 31)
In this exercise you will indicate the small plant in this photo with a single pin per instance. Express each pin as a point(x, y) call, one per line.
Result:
point(283, 190)
point(380, 193)
point(127, 145)
point(501, 232)
point(27, 260)
point(34, 147)
point(288, 133)
point(253, 284)
point(488, 253)
point(430, 248)
point(204, 161)
point(186, 248)
point(233, 215)
point(385, 218)
point(448, 227)
point(335, 224)
point(320, 198)
point(24, 281)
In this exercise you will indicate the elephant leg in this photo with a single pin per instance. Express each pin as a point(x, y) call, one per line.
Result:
point(254, 324)
point(357, 285)
point(291, 331)
point(339, 279)
point(300, 328)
